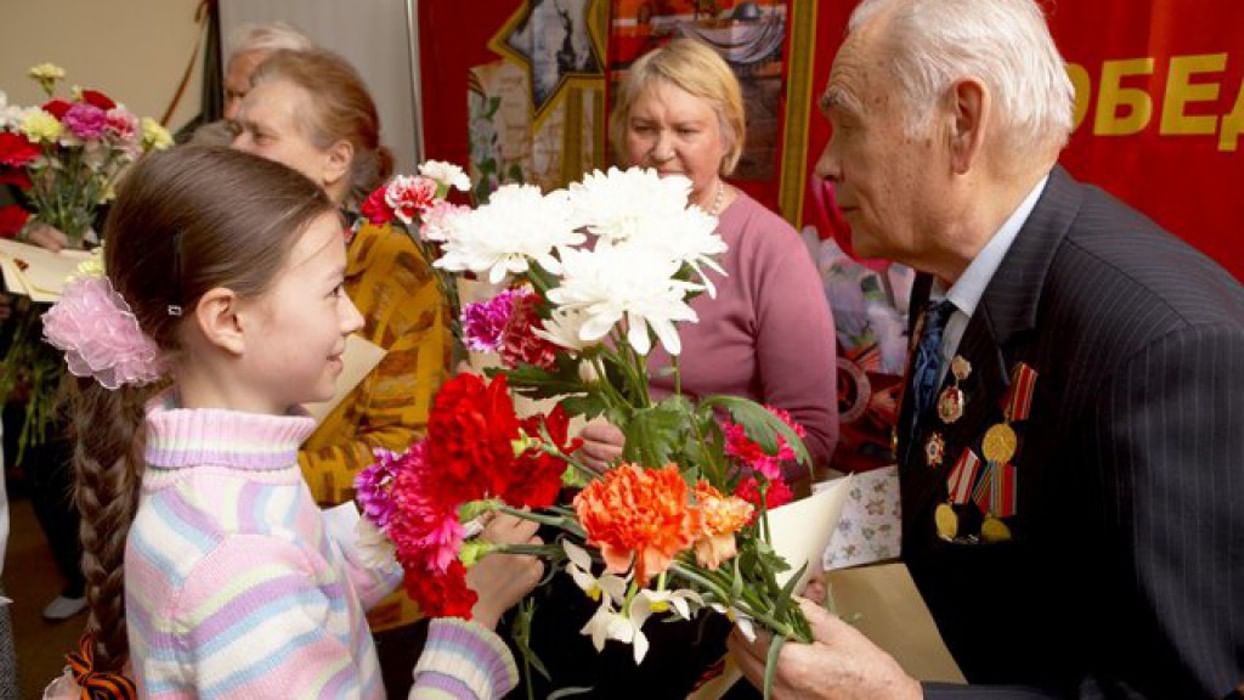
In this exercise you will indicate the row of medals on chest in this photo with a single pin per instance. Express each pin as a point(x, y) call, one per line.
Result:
point(991, 484)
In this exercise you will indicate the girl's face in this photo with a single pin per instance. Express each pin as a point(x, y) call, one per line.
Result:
point(303, 320)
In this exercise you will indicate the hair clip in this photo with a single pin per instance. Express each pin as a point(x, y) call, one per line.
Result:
point(174, 310)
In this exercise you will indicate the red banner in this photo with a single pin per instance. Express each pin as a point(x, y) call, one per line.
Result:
point(1159, 110)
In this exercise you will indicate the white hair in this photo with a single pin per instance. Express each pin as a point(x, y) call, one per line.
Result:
point(272, 36)
point(1004, 43)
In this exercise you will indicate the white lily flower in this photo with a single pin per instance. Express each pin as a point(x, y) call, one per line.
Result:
point(518, 225)
point(608, 623)
point(562, 328)
point(610, 283)
point(740, 619)
point(609, 587)
point(684, 602)
point(375, 549)
point(445, 173)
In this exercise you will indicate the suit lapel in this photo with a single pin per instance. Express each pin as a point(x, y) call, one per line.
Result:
point(1005, 316)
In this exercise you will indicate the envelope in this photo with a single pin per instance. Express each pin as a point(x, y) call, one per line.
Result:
point(38, 272)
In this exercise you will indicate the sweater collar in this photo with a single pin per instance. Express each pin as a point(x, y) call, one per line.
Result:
point(182, 437)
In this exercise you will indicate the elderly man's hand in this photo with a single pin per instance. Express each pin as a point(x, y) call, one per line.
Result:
point(840, 663)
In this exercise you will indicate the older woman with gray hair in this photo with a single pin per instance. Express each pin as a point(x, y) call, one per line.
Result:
point(768, 334)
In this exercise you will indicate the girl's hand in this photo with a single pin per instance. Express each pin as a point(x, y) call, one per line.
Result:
point(501, 580)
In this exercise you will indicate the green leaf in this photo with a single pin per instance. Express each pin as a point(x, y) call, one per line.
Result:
point(589, 405)
point(761, 425)
point(775, 648)
point(567, 692)
point(784, 600)
point(539, 383)
point(652, 436)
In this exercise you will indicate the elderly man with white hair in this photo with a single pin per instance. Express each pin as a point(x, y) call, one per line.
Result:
point(1072, 432)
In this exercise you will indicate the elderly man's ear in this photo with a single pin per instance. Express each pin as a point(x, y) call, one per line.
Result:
point(971, 108)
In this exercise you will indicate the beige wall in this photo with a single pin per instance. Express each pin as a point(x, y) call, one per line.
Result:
point(136, 51)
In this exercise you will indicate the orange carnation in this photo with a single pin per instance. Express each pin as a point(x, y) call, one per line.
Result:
point(720, 517)
point(640, 515)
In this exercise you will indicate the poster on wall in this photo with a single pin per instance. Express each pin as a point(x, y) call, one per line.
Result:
point(750, 36)
point(536, 114)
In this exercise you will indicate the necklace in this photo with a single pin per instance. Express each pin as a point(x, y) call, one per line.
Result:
point(718, 199)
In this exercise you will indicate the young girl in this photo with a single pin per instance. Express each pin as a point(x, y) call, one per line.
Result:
point(224, 275)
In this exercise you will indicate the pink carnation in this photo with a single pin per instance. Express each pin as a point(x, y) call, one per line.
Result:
point(751, 454)
point(100, 335)
point(483, 323)
point(424, 528)
point(86, 121)
point(121, 124)
point(410, 196)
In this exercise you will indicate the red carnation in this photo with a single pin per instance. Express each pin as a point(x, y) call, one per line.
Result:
point(537, 476)
point(377, 211)
point(16, 150)
point(777, 493)
point(470, 434)
point(12, 219)
point(99, 99)
point(17, 178)
point(519, 343)
point(57, 108)
point(446, 595)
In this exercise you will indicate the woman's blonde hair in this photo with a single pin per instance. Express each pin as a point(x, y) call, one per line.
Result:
point(693, 68)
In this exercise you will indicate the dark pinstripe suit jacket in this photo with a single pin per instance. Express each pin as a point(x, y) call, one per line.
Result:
point(1125, 576)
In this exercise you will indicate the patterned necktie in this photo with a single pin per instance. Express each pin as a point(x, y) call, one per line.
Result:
point(928, 360)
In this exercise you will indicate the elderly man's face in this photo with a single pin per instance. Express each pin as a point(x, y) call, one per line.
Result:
point(238, 79)
point(883, 179)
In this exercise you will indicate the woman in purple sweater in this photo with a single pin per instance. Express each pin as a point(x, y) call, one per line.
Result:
point(768, 335)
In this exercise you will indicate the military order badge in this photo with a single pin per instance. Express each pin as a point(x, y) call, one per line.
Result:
point(934, 450)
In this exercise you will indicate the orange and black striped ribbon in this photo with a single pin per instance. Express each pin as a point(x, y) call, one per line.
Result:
point(97, 685)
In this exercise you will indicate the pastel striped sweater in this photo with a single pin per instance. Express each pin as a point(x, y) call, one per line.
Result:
point(236, 588)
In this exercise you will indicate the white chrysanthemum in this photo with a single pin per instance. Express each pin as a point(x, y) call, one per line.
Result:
point(688, 238)
point(638, 207)
point(621, 204)
point(518, 225)
point(610, 283)
point(447, 174)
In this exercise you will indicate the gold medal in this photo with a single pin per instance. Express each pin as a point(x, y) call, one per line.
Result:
point(994, 530)
point(934, 450)
point(999, 443)
point(950, 405)
point(960, 368)
point(947, 522)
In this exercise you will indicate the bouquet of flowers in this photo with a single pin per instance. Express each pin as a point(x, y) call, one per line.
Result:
point(65, 156)
point(595, 274)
